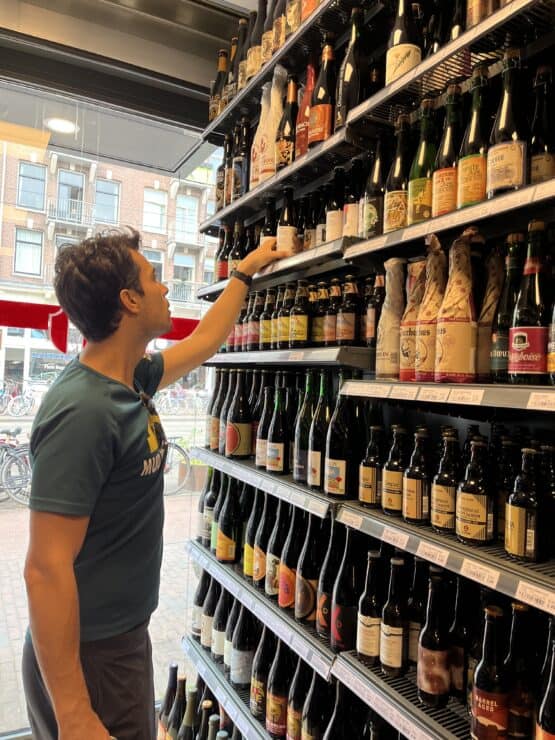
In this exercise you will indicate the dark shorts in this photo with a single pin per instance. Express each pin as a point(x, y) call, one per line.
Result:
point(118, 674)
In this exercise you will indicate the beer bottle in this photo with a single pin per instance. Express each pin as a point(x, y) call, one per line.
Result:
point(420, 176)
point(222, 493)
point(373, 313)
point(312, 308)
point(499, 353)
point(472, 162)
point(284, 316)
point(250, 534)
point(303, 116)
point(459, 641)
point(365, 298)
point(370, 471)
point(518, 666)
point(392, 475)
point(224, 411)
point(229, 630)
point(323, 196)
point(290, 558)
point(242, 650)
point(219, 625)
point(261, 541)
point(433, 677)
point(287, 225)
point(444, 487)
point(326, 582)
point(490, 692)
point(308, 570)
point(228, 172)
point(261, 665)
point(285, 138)
point(265, 320)
point(244, 330)
point(299, 319)
point(507, 160)
point(207, 707)
point(275, 316)
point(416, 484)
point(223, 254)
point(349, 82)
point(317, 324)
point(228, 538)
point(253, 322)
point(334, 206)
point(529, 326)
point(330, 318)
point(315, 710)
point(320, 124)
point(444, 179)
point(301, 218)
point(220, 189)
point(309, 234)
point(523, 512)
point(177, 712)
point(233, 74)
point(167, 703)
point(295, 700)
point(394, 625)
point(198, 602)
point(212, 404)
point(370, 609)
point(344, 603)
point(268, 230)
point(235, 339)
point(241, 160)
point(278, 441)
point(207, 618)
point(279, 24)
point(254, 54)
point(317, 435)
point(208, 508)
point(542, 144)
point(337, 728)
point(275, 548)
point(278, 691)
point(340, 470)
point(302, 430)
point(545, 727)
point(475, 503)
point(403, 50)
point(243, 54)
point(504, 482)
point(372, 199)
point(199, 525)
point(397, 183)
point(263, 427)
point(348, 315)
point(238, 441)
point(268, 33)
point(416, 606)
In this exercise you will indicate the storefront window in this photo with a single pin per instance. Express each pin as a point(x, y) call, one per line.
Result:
point(186, 218)
point(154, 212)
point(32, 186)
point(107, 201)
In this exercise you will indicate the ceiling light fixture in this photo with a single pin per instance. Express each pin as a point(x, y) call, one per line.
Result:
point(61, 125)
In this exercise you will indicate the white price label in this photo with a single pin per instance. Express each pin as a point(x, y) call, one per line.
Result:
point(433, 553)
point(220, 695)
point(404, 392)
point(395, 538)
point(232, 711)
point(378, 390)
point(541, 401)
point(299, 646)
point(271, 621)
point(320, 508)
point(468, 396)
point(536, 596)
point(320, 665)
point(350, 519)
point(435, 394)
point(480, 573)
point(296, 356)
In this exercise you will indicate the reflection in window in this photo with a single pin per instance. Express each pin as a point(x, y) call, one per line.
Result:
point(154, 211)
point(107, 201)
point(208, 272)
point(31, 186)
point(156, 260)
point(186, 218)
point(28, 252)
point(70, 196)
point(183, 266)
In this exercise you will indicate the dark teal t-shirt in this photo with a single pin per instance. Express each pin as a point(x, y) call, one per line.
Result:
point(98, 450)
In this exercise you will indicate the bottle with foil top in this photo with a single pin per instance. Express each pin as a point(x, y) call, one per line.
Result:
point(416, 282)
point(254, 53)
point(487, 315)
point(457, 331)
point(269, 132)
point(255, 149)
point(472, 162)
point(387, 346)
point(404, 51)
point(420, 177)
point(426, 323)
point(542, 142)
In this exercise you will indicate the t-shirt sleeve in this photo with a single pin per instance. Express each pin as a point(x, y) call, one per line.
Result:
point(73, 452)
point(149, 371)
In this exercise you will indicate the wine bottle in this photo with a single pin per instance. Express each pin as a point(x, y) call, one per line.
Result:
point(392, 475)
point(444, 487)
point(545, 726)
point(334, 206)
point(315, 714)
point(302, 431)
point(208, 610)
point(254, 54)
point(228, 537)
point(370, 608)
point(299, 317)
point(263, 427)
point(394, 625)
point(420, 177)
point(243, 52)
point(416, 484)
point(287, 225)
point(167, 703)
point(472, 162)
point(224, 411)
point(475, 503)
point(250, 534)
point(433, 677)
point(239, 424)
point(187, 730)
point(296, 698)
point(208, 509)
point(285, 139)
point(229, 630)
point(397, 183)
point(198, 601)
point(404, 51)
point(303, 115)
point(219, 624)
point(242, 650)
point(177, 712)
point(262, 662)
point(523, 511)
point(277, 692)
point(275, 548)
point(340, 470)
point(320, 125)
point(261, 541)
point(216, 106)
point(290, 558)
point(278, 442)
point(199, 527)
point(308, 570)
point(349, 83)
point(371, 205)
point(207, 707)
point(253, 322)
point(507, 155)
point(542, 143)
point(344, 604)
point(326, 582)
point(444, 178)
point(318, 434)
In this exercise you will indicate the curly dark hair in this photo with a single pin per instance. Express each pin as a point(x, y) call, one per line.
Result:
point(89, 277)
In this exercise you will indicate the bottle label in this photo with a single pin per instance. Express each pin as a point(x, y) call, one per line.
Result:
point(400, 59)
point(308, 7)
point(416, 500)
point(241, 666)
point(248, 560)
point(221, 268)
point(346, 326)
point(392, 490)
point(213, 535)
point(309, 240)
point(317, 329)
point(414, 633)
point(276, 714)
point(391, 646)
point(259, 565)
point(253, 336)
point(287, 239)
point(225, 547)
point(543, 734)
point(395, 210)
point(350, 219)
point(420, 200)
point(369, 485)
point(499, 353)
point(330, 328)
point(287, 578)
point(542, 167)
point(335, 477)
point(371, 217)
point(206, 631)
point(274, 456)
point(265, 331)
point(254, 61)
point(238, 439)
point(242, 75)
point(444, 186)
point(443, 506)
point(293, 16)
point(260, 457)
point(197, 620)
point(320, 234)
point(320, 123)
point(323, 612)
point(300, 463)
point(294, 721)
point(489, 710)
point(527, 350)
point(298, 328)
point(285, 153)
point(267, 41)
point(279, 33)
point(207, 519)
point(551, 350)
point(314, 468)
point(305, 598)
point(334, 225)
point(472, 516)
point(271, 585)
point(257, 701)
point(368, 635)
point(283, 330)
point(301, 136)
point(228, 647)
point(344, 627)
point(506, 166)
point(220, 189)
point(520, 532)
point(218, 644)
point(370, 323)
point(471, 180)
point(432, 671)
point(455, 351)
point(458, 669)
point(228, 186)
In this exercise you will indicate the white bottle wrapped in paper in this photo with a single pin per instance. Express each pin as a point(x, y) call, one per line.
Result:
point(255, 148)
point(269, 132)
point(416, 282)
point(387, 346)
point(426, 325)
point(487, 315)
point(457, 329)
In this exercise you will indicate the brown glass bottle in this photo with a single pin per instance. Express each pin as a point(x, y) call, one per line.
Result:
point(265, 321)
point(330, 318)
point(299, 318)
point(275, 316)
point(392, 475)
point(284, 316)
point(523, 512)
point(475, 504)
point(394, 625)
point(348, 315)
point(433, 676)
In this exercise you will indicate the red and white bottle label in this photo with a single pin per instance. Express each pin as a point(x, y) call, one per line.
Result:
point(528, 350)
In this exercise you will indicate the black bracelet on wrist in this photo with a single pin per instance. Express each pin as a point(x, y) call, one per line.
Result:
point(243, 277)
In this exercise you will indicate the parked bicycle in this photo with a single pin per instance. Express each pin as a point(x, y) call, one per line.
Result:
point(15, 467)
point(176, 469)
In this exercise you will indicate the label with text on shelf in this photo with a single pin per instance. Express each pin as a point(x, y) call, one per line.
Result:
point(350, 519)
point(469, 396)
point(538, 597)
point(480, 573)
point(436, 394)
point(433, 553)
point(541, 401)
point(395, 538)
point(404, 392)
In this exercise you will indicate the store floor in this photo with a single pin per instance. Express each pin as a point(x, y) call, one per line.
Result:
point(167, 626)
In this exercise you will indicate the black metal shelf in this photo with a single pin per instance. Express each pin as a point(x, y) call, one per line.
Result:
point(357, 357)
point(235, 703)
point(300, 639)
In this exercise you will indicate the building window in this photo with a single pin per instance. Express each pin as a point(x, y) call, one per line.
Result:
point(70, 196)
point(186, 218)
point(31, 186)
point(183, 266)
point(154, 211)
point(106, 206)
point(28, 252)
point(210, 207)
point(15, 331)
point(156, 260)
point(65, 241)
point(208, 272)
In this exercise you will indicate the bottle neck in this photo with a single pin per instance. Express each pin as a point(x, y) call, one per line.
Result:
point(323, 385)
point(490, 650)
point(434, 606)
point(395, 585)
point(291, 92)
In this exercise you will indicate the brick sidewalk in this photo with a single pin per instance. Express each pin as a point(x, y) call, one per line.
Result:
point(167, 626)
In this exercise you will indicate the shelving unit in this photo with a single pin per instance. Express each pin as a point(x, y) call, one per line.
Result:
point(300, 639)
point(356, 357)
point(234, 702)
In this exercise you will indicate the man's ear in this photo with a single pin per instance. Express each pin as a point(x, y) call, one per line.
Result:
point(129, 300)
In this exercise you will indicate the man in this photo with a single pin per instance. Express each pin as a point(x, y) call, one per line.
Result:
point(93, 564)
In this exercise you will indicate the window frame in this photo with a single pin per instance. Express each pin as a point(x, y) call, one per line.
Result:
point(182, 235)
point(118, 200)
point(28, 274)
point(45, 171)
point(145, 251)
point(147, 227)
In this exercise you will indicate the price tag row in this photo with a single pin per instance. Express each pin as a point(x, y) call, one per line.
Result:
point(541, 401)
point(433, 553)
point(536, 596)
point(480, 573)
point(395, 538)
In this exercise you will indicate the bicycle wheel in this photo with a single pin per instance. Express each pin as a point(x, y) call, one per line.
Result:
point(16, 476)
point(176, 469)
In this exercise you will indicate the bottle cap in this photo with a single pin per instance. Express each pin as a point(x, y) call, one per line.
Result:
point(528, 451)
point(397, 561)
point(536, 225)
point(494, 611)
point(374, 555)
point(515, 238)
point(518, 606)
